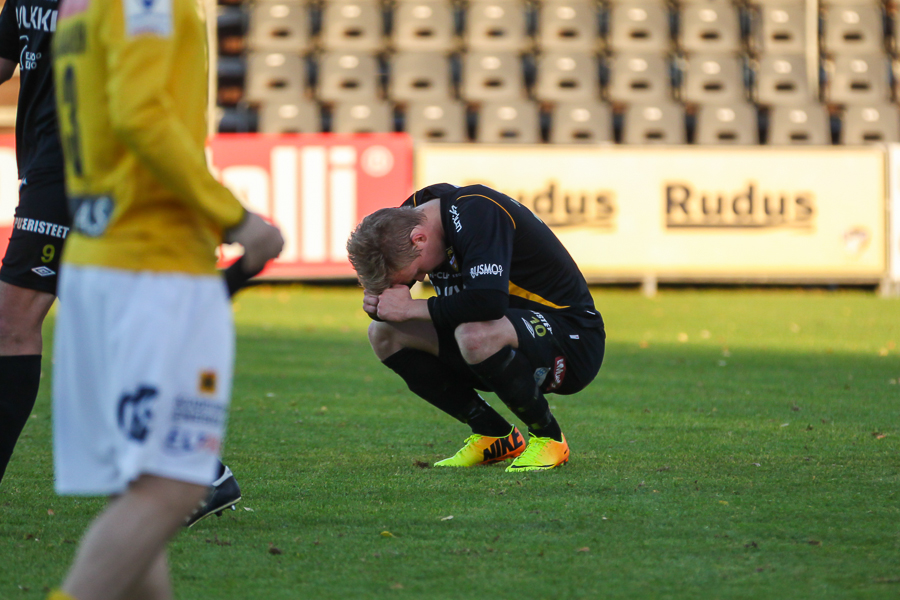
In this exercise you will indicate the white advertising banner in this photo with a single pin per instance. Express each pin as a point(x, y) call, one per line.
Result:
point(811, 214)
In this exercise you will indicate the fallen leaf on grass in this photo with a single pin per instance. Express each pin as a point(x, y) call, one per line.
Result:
point(878, 435)
point(387, 534)
point(815, 543)
point(422, 464)
point(274, 550)
point(50, 512)
point(724, 502)
point(756, 464)
point(447, 518)
point(396, 586)
point(585, 549)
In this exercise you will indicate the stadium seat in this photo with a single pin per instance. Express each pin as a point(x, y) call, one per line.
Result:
point(639, 26)
point(585, 122)
point(274, 73)
point(348, 75)
point(571, 25)
point(231, 25)
point(424, 25)
point(639, 77)
point(496, 25)
point(509, 122)
point(280, 26)
point(780, 28)
point(231, 74)
point(289, 114)
point(419, 76)
point(492, 76)
point(799, 125)
point(855, 79)
point(235, 120)
point(654, 123)
point(735, 123)
point(710, 26)
point(856, 29)
point(782, 79)
point(565, 75)
point(869, 124)
point(352, 25)
point(362, 116)
point(713, 79)
point(437, 121)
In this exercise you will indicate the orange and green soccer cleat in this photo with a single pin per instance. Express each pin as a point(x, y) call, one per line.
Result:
point(484, 450)
point(542, 454)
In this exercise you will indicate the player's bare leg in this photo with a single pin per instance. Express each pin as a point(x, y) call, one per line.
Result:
point(389, 338)
point(22, 312)
point(122, 549)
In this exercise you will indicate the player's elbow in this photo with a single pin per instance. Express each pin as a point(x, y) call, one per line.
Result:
point(128, 120)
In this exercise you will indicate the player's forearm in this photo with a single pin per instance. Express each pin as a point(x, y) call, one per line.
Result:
point(468, 306)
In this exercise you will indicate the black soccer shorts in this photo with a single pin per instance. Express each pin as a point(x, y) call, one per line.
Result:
point(565, 355)
point(40, 227)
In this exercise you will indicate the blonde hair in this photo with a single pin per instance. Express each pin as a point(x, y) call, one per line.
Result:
point(381, 245)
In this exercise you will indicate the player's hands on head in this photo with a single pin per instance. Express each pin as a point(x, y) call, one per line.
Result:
point(370, 305)
point(393, 303)
point(261, 240)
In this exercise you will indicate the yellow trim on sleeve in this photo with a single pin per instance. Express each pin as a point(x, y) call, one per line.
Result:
point(515, 290)
point(495, 202)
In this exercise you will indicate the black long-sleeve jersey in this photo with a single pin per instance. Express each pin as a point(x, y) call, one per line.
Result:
point(499, 255)
point(26, 29)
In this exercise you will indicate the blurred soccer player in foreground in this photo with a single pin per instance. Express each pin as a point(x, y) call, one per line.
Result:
point(513, 315)
point(144, 344)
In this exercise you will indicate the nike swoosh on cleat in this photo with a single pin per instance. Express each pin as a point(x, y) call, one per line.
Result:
point(532, 466)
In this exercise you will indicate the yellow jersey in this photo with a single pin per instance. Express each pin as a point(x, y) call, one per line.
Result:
point(131, 89)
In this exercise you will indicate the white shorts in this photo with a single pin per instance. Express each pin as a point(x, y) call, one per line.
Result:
point(142, 378)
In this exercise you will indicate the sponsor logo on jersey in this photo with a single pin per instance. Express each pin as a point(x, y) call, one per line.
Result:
point(72, 7)
point(485, 269)
point(451, 259)
point(44, 271)
point(208, 382)
point(455, 218)
point(36, 17)
point(92, 214)
point(148, 17)
point(41, 227)
point(135, 412)
point(188, 440)
point(198, 410)
point(559, 373)
point(528, 326)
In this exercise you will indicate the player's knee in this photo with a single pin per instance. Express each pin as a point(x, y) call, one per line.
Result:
point(16, 332)
point(475, 342)
point(383, 339)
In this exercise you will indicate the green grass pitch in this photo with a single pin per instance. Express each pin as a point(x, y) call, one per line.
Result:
point(736, 444)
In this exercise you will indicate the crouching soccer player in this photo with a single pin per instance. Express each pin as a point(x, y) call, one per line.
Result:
point(513, 315)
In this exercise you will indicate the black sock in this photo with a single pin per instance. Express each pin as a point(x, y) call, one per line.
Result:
point(20, 377)
point(511, 376)
point(431, 380)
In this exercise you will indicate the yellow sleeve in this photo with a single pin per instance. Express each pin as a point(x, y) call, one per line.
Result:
point(143, 112)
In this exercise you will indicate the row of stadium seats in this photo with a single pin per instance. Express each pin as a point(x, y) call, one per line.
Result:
point(765, 26)
point(555, 76)
point(524, 121)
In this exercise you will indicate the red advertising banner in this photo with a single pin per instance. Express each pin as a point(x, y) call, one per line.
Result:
point(316, 187)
